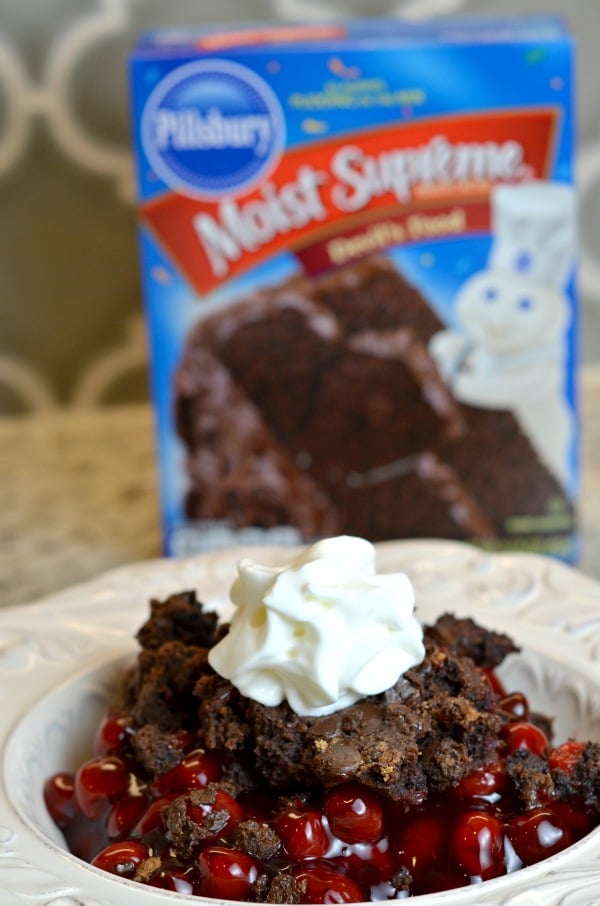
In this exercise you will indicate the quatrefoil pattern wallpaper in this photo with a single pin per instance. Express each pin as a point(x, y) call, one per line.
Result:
point(72, 329)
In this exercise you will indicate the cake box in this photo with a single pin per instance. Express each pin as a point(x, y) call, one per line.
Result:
point(358, 245)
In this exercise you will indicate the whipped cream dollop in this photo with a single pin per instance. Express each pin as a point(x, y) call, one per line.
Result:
point(322, 632)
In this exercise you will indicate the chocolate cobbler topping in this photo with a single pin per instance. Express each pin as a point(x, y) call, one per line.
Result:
point(424, 734)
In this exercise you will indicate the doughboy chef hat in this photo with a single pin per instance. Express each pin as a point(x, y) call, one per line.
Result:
point(535, 231)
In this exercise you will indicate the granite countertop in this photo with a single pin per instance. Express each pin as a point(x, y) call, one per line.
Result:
point(78, 494)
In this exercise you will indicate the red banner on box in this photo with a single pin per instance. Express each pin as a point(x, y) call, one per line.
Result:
point(335, 200)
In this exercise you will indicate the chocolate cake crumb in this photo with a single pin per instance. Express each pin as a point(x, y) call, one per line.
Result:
point(285, 888)
point(180, 618)
point(238, 777)
point(467, 639)
point(183, 831)
point(222, 716)
point(402, 880)
point(530, 777)
point(583, 782)
point(147, 868)
point(260, 888)
point(444, 763)
point(162, 687)
point(259, 840)
point(155, 750)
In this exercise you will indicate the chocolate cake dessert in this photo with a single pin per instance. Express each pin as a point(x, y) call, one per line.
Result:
point(444, 779)
point(316, 404)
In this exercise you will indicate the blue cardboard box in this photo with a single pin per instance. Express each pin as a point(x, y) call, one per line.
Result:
point(358, 247)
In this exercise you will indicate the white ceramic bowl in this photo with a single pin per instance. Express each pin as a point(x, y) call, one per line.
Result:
point(60, 657)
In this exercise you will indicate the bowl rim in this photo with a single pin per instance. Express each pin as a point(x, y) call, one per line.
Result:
point(545, 605)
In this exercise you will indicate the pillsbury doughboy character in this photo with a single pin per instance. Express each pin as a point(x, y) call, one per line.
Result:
point(508, 350)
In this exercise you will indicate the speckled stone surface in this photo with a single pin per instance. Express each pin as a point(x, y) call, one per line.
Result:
point(78, 494)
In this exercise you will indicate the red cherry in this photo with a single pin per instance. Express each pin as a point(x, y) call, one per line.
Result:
point(485, 783)
point(59, 796)
point(539, 833)
point(260, 807)
point(579, 822)
point(121, 858)
point(495, 682)
point(302, 833)
point(98, 781)
point(523, 735)
point(193, 772)
point(438, 878)
point(565, 757)
point(476, 844)
point(151, 819)
point(355, 813)
point(124, 814)
point(84, 838)
point(420, 843)
point(326, 883)
point(368, 864)
point(226, 873)
point(516, 705)
point(111, 735)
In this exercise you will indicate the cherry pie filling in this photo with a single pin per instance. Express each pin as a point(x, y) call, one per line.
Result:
point(342, 845)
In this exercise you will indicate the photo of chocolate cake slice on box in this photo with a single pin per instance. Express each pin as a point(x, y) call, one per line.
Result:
point(317, 404)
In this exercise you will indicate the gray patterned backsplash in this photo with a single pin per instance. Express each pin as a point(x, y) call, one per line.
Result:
point(72, 329)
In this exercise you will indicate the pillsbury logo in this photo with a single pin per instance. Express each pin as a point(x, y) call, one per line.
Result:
point(212, 127)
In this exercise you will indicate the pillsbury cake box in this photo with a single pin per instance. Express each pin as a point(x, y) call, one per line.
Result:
point(358, 247)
